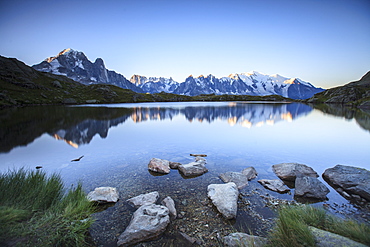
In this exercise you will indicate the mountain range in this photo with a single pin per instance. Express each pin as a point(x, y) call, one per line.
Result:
point(75, 65)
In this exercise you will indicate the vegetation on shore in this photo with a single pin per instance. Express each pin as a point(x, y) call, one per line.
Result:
point(36, 210)
point(292, 227)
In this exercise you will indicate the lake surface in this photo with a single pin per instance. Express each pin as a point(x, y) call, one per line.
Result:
point(117, 142)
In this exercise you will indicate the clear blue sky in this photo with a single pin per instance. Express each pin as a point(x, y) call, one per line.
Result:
point(324, 42)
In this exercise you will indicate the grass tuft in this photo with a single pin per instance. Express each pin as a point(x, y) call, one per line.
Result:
point(36, 211)
point(291, 227)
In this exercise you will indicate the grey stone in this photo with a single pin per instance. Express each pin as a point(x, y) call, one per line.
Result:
point(142, 199)
point(239, 239)
point(225, 198)
point(352, 180)
point(193, 169)
point(310, 187)
point(159, 165)
point(274, 185)
point(289, 171)
point(148, 222)
point(174, 165)
point(328, 239)
point(250, 172)
point(103, 195)
point(170, 204)
point(238, 178)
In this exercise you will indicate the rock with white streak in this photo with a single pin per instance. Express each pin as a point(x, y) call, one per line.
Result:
point(193, 169)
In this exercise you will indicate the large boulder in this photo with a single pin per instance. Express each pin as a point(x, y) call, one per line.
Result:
point(289, 171)
point(239, 239)
point(170, 204)
point(193, 169)
point(250, 172)
point(351, 182)
point(159, 166)
point(309, 187)
point(103, 195)
point(225, 198)
point(238, 178)
point(275, 185)
point(142, 199)
point(148, 222)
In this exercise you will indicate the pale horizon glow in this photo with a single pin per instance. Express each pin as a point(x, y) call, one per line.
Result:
point(323, 42)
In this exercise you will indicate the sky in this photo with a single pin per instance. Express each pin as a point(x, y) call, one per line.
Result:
point(324, 42)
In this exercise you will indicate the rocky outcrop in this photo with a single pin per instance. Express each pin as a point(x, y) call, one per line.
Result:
point(148, 198)
point(329, 239)
point(193, 169)
point(239, 239)
point(148, 222)
point(238, 178)
point(289, 171)
point(159, 166)
point(351, 182)
point(225, 198)
point(309, 187)
point(274, 185)
point(103, 195)
point(170, 204)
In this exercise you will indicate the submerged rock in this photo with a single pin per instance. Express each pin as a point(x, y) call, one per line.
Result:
point(274, 185)
point(238, 178)
point(239, 239)
point(329, 239)
point(159, 165)
point(250, 172)
point(350, 182)
point(225, 198)
point(148, 222)
point(289, 171)
point(193, 169)
point(103, 195)
point(142, 199)
point(170, 204)
point(310, 187)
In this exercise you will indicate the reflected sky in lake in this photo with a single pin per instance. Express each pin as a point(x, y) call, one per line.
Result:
point(118, 141)
point(233, 135)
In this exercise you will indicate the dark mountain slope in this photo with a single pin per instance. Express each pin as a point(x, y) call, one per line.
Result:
point(355, 93)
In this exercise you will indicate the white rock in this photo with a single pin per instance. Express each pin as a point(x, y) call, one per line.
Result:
point(103, 195)
point(142, 199)
point(225, 198)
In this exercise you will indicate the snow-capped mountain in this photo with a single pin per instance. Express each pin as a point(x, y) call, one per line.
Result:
point(154, 84)
point(75, 65)
point(252, 83)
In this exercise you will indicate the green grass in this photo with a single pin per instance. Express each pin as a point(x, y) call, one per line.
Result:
point(35, 210)
point(291, 227)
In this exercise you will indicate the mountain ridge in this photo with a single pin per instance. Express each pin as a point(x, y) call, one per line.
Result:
point(75, 65)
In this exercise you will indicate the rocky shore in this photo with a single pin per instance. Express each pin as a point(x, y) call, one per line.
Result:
point(209, 223)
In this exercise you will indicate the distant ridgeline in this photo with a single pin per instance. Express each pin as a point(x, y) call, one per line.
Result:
point(75, 65)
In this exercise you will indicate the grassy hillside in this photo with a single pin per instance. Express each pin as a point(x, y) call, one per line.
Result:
point(355, 93)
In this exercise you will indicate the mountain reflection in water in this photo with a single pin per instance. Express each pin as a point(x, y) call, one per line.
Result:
point(78, 125)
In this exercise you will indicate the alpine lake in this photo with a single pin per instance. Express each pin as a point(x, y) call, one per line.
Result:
point(117, 141)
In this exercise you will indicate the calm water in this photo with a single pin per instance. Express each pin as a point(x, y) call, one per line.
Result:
point(118, 141)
